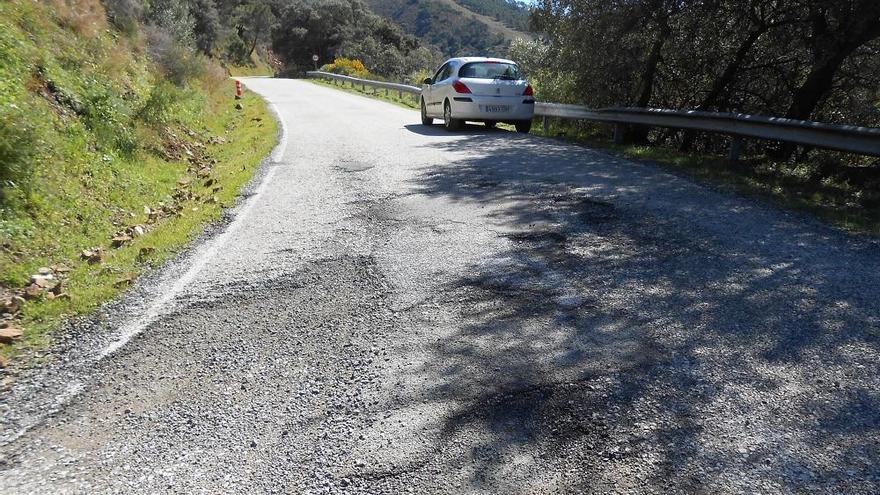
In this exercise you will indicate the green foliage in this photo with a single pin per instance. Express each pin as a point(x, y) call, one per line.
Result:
point(443, 26)
point(90, 128)
point(254, 21)
point(174, 18)
point(18, 145)
point(179, 63)
point(345, 28)
point(160, 107)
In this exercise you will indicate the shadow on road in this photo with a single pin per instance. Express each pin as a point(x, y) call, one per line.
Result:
point(439, 130)
point(641, 332)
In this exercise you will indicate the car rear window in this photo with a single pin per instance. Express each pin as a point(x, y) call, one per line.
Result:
point(490, 70)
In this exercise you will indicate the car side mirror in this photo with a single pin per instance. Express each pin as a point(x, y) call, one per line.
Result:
point(428, 81)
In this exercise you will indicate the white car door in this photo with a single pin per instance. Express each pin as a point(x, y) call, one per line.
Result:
point(442, 87)
point(439, 88)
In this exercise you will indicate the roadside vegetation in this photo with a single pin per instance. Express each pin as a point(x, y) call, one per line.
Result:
point(799, 59)
point(118, 142)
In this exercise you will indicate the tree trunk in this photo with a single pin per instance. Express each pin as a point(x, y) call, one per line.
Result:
point(829, 54)
point(721, 82)
point(639, 134)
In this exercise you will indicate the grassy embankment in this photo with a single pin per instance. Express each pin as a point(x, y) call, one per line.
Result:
point(803, 187)
point(257, 67)
point(95, 145)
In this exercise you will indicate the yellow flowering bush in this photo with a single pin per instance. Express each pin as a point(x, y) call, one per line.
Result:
point(349, 67)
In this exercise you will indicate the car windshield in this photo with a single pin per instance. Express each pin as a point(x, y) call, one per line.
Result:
point(490, 70)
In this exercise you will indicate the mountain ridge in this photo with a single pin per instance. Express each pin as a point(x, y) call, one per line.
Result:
point(455, 28)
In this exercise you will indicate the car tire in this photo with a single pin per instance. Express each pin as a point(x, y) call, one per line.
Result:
point(450, 123)
point(523, 126)
point(425, 119)
point(490, 124)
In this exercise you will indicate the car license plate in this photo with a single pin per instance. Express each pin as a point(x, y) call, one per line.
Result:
point(497, 108)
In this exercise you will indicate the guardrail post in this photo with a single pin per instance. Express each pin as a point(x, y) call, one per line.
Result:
point(400, 95)
point(618, 134)
point(545, 121)
point(736, 144)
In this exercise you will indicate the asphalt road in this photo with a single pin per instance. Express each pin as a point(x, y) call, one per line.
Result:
point(394, 308)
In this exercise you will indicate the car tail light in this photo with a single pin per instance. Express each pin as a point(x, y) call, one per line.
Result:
point(529, 91)
point(459, 87)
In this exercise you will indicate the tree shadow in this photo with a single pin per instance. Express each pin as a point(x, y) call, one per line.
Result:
point(644, 333)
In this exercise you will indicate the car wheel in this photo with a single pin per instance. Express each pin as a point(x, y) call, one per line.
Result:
point(490, 124)
point(448, 122)
point(425, 119)
point(523, 126)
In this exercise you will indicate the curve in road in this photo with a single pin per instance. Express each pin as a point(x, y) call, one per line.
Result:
point(404, 309)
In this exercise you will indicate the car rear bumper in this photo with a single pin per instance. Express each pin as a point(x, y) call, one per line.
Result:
point(498, 108)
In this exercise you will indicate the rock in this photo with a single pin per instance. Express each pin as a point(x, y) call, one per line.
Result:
point(9, 335)
point(4, 362)
point(120, 240)
point(138, 230)
point(32, 291)
point(57, 289)
point(123, 282)
point(42, 281)
point(44, 270)
point(95, 255)
point(11, 304)
point(238, 106)
point(61, 269)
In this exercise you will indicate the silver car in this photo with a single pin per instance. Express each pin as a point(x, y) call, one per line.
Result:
point(478, 89)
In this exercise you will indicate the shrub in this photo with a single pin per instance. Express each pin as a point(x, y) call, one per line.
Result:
point(348, 67)
point(159, 106)
point(124, 14)
point(179, 64)
point(237, 51)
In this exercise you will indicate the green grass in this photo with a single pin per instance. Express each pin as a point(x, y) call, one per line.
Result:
point(797, 186)
point(106, 138)
point(257, 67)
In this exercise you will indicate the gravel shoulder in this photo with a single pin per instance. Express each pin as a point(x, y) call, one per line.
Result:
point(403, 309)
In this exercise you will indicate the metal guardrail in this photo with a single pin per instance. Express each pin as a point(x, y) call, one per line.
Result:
point(402, 88)
point(853, 139)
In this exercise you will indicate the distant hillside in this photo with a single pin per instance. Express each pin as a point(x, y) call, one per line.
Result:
point(511, 13)
point(459, 27)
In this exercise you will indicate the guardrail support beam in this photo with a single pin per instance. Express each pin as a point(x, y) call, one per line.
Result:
point(617, 135)
point(545, 122)
point(736, 145)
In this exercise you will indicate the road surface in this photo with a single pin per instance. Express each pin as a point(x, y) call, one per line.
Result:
point(394, 308)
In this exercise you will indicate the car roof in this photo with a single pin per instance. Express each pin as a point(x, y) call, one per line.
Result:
point(465, 60)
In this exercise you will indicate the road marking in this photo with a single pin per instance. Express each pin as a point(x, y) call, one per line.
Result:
point(208, 252)
point(137, 324)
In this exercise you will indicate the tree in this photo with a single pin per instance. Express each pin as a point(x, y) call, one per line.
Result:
point(254, 22)
point(207, 27)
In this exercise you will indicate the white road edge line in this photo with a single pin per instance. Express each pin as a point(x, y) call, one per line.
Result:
point(137, 324)
point(208, 252)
